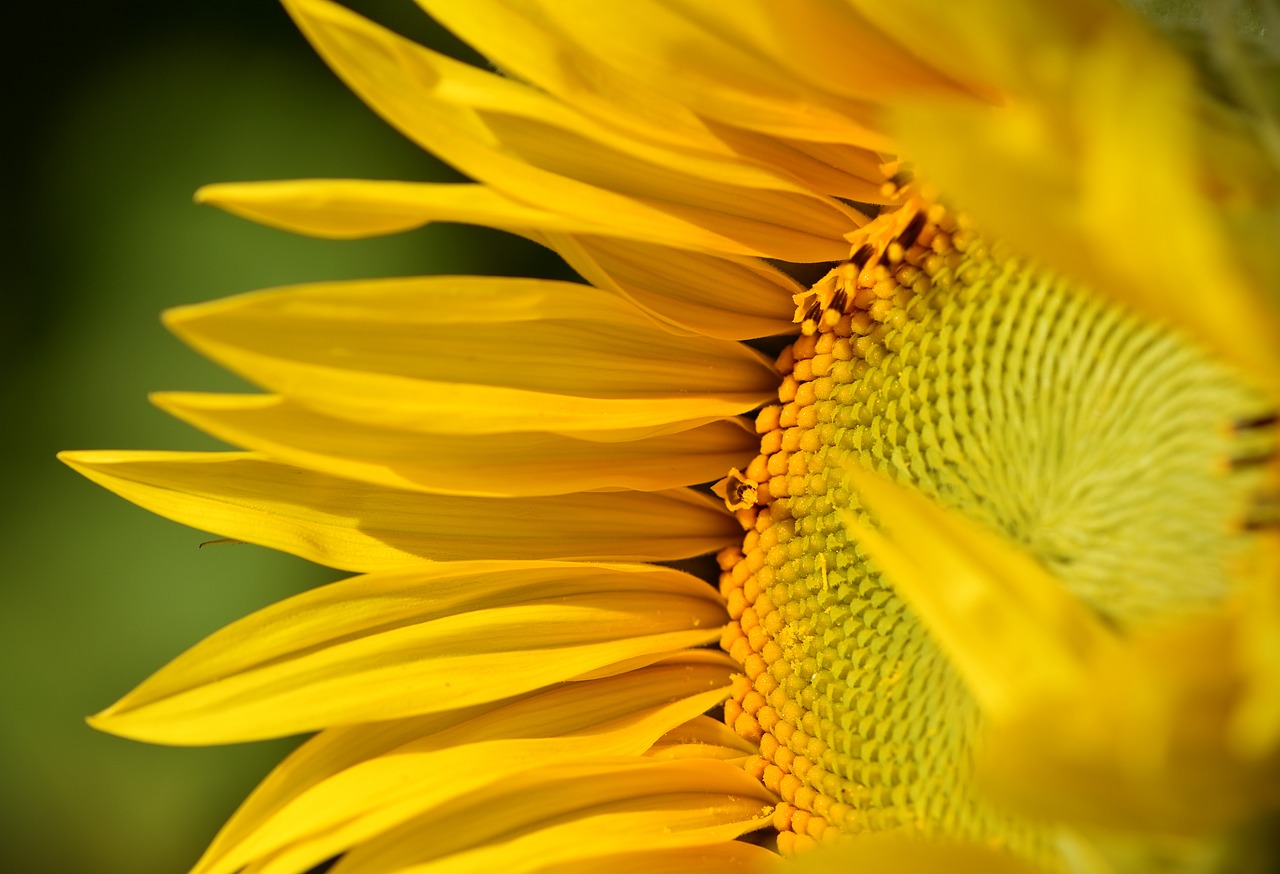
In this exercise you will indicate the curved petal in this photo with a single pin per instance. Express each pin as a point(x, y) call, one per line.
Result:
point(359, 527)
point(385, 646)
point(442, 772)
point(530, 147)
point(727, 298)
point(1009, 627)
point(519, 464)
point(561, 709)
point(353, 208)
point(683, 60)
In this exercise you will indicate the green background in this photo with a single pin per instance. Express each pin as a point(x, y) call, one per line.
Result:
point(122, 110)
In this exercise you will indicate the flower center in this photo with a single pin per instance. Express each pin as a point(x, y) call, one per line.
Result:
point(1112, 450)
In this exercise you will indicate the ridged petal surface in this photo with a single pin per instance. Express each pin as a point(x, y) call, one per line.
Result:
point(474, 355)
point(506, 752)
point(517, 464)
point(390, 645)
point(534, 149)
point(360, 527)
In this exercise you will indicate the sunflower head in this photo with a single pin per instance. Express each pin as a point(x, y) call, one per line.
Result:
point(1007, 593)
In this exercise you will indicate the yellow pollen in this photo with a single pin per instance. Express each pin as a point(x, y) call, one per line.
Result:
point(1111, 449)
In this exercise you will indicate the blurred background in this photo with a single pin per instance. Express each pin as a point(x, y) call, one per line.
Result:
point(118, 112)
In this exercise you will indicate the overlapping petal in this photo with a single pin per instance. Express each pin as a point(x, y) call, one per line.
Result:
point(587, 814)
point(1004, 621)
point(476, 355)
point(515, 464)
point(728, 298)
point(389, 645)
point(532, 148)
point(361, 527)
point(351, 785)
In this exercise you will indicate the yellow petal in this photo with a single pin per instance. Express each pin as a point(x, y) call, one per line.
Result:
point(715, 76)
point(1008, 626)
point(702, 738)
point(728, 298)
point(736, 857)
point(360, 527)
point(480, 465)
point(590, 812)
point(384, 646)
point(519, 39)
point(353, 208)
point(478, 761)
point(1255, 728)
point(559, 710)
point(892, 854)
point(829, 47)
point(475, 355)
point(1101, 146)
point(530, 147)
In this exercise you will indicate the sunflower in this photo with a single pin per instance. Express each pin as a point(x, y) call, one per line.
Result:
point(999, 584)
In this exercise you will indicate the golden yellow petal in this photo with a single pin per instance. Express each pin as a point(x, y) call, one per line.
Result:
point(591, 811)
point(360, 527)
point(727, 298)
point(520, 40)
point(734, 857)
point(562, 709)
point(477, 762)
point(385, 646)
point(530, 147)
point(475, 355)
point(889, 854)
point(715, 76)
point(1145, 745)
point(1255, 729)
point(1010, 628)
point(517, 464)
point(353, 208)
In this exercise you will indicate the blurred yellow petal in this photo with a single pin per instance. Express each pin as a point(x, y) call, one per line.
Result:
point(359, 527)
point(459, 355)
point(1256, 726)
point(521, 40)
point(389, 645)
point(1009, 627)
point(1101, 144)
point(737, 857)
point(717, 77)
point(515, 464)
point(353, 208)
point(903, 855)
point(1145, 745)
point(728, 298)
